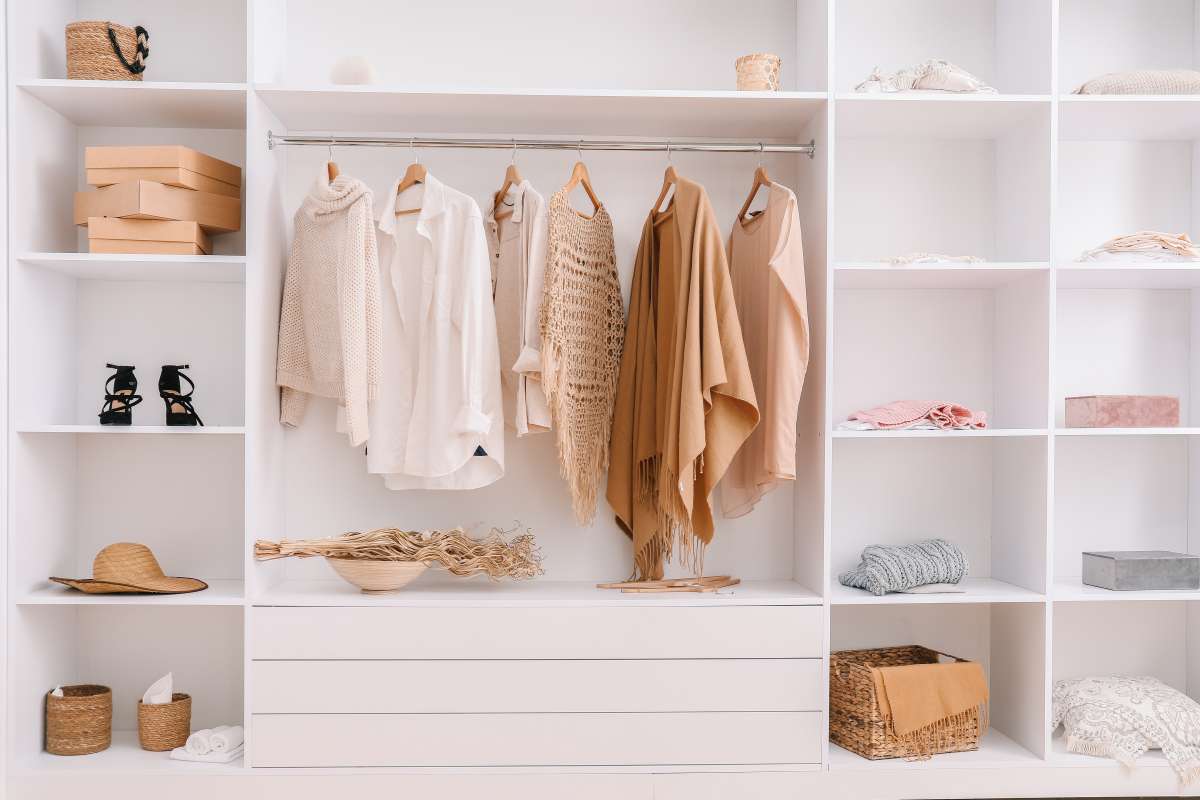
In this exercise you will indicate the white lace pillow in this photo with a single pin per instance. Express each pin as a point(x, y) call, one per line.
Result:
point(1144, 81)
point(1123, 717)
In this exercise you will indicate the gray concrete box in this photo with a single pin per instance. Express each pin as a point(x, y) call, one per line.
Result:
point(1131, 570)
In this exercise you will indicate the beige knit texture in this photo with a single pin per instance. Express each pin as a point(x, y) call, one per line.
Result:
point(329, 321)
point(1144, 81)
point(582, 325)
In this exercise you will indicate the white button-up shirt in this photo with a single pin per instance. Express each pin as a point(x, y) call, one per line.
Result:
point(437, 421)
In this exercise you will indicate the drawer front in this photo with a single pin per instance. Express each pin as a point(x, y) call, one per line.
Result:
point(337, 687)
point(529, 633)
point(482, 740)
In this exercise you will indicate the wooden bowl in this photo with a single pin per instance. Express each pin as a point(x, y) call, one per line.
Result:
point(377, 577)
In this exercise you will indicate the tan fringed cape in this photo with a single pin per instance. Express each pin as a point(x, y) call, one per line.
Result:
point(685, 402)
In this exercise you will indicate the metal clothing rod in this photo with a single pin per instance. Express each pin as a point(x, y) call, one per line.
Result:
point(664, 145)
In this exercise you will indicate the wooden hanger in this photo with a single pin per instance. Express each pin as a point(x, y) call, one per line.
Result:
point(580, 177)
point(331, 168)
point(512, 176)
point(415, 174)
point(670, 178)
point(761, 179)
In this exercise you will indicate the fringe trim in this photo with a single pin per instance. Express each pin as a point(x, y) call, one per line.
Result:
point(675, 536)
point(923, 742)
point(1100, 750)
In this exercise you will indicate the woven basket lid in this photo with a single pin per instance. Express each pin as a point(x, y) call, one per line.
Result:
point(129, 567)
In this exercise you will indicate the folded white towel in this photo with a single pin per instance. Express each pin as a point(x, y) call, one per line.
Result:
point(200, 742)
point(160, 691)
point(226, 739)
point(58, 692)
point(181, 754)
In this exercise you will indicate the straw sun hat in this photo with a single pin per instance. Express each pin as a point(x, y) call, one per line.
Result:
point(127, 567)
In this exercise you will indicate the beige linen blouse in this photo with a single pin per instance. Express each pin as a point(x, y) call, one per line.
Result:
point(518, 254)
point(766, 263)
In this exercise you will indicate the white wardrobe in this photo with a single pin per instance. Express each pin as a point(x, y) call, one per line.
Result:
point(553, 688)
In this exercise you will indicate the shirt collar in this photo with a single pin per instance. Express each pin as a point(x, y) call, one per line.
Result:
point(517, 193)
point(433, 204)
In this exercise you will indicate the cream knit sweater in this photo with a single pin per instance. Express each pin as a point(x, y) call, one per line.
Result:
point(329, 323)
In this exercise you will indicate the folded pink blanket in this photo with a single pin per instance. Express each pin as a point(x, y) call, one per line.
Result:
point(908, 413)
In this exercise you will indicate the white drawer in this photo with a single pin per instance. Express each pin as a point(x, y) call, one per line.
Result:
point(635, 685)
point(481, 740)
point(529, 633)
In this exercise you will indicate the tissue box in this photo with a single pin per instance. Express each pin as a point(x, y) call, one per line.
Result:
point(156, 236)
point(1123, 411)
point(1133, 570)
point(149, 200)
point(173, 165)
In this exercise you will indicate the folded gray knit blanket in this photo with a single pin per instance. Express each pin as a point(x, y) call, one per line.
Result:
point(896, 568)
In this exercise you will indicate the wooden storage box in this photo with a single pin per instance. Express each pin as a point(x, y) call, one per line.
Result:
point(159, 237)
point(173, 165)
point(1122, 411)
point(150, 200)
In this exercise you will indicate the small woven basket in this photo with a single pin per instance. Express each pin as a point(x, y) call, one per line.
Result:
point(79, 722)
point(165, 726)
point(855, 722)
point(758, 72)
point(105, 51)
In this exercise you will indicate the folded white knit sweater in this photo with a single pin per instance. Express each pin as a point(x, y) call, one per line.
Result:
point(329, 323)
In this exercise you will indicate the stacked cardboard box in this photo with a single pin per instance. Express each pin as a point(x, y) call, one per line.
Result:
point(163, 200)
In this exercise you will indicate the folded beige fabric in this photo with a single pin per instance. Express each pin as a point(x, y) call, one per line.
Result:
point(1151, 244)
point(917, 698)
point(1144, 81)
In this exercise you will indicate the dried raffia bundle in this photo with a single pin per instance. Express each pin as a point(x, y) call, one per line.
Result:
point(460, 554)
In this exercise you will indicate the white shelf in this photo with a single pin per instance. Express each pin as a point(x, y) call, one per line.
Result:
point(218, 593)
point(1127, 432)
point(138, 104)
point(996, 751)
point(1072, 590)
point(1121, 117)
point(977, 590)
point(1103, 275)
point(985, 433)
point(935, 115)
point(141, 267)
point(476, 592)
point(137, 430)
point(648, 113)
point(124, 756)
point(985, 275)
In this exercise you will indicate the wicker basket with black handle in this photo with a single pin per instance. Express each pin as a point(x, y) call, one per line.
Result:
point(105, 51)
point(855, 721)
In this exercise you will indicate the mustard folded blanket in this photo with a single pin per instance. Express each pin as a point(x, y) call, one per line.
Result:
point(918, 698)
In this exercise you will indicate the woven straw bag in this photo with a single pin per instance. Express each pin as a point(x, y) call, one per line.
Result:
point(79, 722)
point(165, 726)
point(105, 51)
point(855, 721)
point(758, 72)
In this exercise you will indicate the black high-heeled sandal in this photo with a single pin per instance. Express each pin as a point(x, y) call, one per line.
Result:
point(180, 411)
point(120, 399)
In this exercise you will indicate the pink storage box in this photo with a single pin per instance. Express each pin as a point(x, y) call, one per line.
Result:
point(1123, 411)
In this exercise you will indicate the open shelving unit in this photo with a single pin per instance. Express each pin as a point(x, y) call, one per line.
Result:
point(1010, 178)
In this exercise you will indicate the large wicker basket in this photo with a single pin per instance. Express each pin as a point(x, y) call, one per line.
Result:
point(105, 51)
point(165, 726)
point(855, 722)
point(79, 722)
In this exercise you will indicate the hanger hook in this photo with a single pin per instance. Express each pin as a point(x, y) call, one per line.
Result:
point(413, 149)
point(513, 159)
point(579, 149)
point(760, 152)
point(331, 149)
point(668, 151)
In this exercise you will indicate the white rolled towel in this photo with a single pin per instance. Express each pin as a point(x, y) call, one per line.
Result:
point(200, 742)
point(226, 738)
